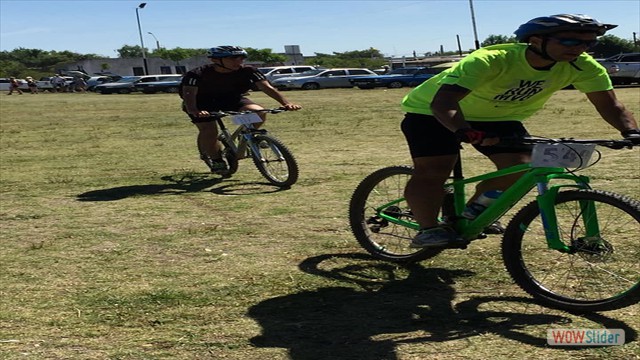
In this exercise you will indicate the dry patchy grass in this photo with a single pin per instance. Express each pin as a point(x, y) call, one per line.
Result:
point(117, 244)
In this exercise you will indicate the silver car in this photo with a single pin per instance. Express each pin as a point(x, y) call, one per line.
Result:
point(321, 79)
point(275, 72)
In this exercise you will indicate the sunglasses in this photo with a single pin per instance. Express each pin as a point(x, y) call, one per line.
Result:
point(568, 42)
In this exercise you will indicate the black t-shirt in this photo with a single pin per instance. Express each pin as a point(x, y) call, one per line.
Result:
point(216, 87)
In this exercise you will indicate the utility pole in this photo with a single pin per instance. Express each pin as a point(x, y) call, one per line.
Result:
point(144, 55)
point(157, 42)
point(473, 22)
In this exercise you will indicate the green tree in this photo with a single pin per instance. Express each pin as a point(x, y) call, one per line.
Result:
point(370, 53)
point(265, 56)
point(498, 39)
point(21, 62)
point(10, 68)
point(610, 45)
point(178, 53)
point(370, 58)
point(130, 51)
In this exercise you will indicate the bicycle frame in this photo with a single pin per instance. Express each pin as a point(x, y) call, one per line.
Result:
point(241, 137)
point(532, 177)
point(224, 131)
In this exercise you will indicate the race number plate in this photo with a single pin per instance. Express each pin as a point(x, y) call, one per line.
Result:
point(573, 156)
point(246, 119)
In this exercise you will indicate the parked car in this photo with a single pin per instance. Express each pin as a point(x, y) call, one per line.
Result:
point(94, 81)
point(167, 86)
point(44, 84)
point(623, 68)
point(317, 79)
point(5, 84)
point(276, 72)
point(397, 78)
point(127, 84)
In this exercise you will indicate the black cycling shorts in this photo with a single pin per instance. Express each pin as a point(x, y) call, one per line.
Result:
point(224, 105)
point(426, 136)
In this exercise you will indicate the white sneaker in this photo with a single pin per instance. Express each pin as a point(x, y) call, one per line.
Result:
point(434, 237)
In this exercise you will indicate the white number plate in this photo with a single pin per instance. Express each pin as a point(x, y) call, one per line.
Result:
point(573, 156)
point(246, 119)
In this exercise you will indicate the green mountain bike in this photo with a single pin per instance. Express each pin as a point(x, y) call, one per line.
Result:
point(573, 248)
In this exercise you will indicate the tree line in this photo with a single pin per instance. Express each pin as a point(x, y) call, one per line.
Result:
point(22, 62)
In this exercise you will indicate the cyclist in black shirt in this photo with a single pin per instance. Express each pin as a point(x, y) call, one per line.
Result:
point(222, 86)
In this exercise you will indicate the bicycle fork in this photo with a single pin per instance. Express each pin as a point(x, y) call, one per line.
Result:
point(586, 213)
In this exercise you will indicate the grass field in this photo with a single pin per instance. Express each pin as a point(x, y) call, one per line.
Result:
point(117, 244)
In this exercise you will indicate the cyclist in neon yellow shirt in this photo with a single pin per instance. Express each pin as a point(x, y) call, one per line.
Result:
point(487, 96)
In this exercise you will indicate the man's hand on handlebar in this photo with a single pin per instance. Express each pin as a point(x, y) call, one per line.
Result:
point(202, 113)
point(291, 107)
point(476, 137)
point(632, 135)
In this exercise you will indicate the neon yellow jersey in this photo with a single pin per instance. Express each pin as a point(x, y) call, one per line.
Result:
point(504, 86)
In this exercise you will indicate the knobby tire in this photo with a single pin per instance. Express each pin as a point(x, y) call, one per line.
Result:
point(603, 274)
point(276, 162)
point(382, 239)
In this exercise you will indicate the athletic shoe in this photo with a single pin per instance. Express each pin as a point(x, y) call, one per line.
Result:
point(218, 166)
point(495, 228)
point(435, 237)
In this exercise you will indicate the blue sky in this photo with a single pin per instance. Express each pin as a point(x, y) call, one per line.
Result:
point(396, 28)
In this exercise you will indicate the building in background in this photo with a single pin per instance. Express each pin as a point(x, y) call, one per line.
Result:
point(135, 66)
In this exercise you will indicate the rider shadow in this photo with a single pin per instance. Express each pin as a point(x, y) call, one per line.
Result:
point(247, 188)
point(178, 184)
point(175, 185)
point(389, 309)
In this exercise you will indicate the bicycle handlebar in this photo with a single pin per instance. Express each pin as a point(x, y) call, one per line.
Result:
point(222, 114)
point(609, 143)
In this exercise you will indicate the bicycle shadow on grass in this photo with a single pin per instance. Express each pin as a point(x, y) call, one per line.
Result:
point(179, 184)
point(383, 305)
point(247, 188)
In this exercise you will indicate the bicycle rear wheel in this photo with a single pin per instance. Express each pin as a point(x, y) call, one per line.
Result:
point(274, 160)
point(382, 239)
point(600, 272)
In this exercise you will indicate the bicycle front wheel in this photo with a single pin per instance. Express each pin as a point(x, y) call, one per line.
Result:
point(230, 156)
point(381, 238)
point(600, 272)
point(274, 160)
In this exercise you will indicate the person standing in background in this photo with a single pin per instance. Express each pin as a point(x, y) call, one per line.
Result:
point(14, 85)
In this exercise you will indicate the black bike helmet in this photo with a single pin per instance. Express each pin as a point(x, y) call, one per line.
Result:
point(220, 52)
point(562, 22)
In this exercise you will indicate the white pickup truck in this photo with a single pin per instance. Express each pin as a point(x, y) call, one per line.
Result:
point(623, 68)
point(44, 84)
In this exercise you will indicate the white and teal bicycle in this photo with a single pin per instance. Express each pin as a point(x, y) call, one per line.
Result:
point(272, 158)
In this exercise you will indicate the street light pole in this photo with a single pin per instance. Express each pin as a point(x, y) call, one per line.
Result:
point(157, 42)
point(144, 55)
point(473, 22)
